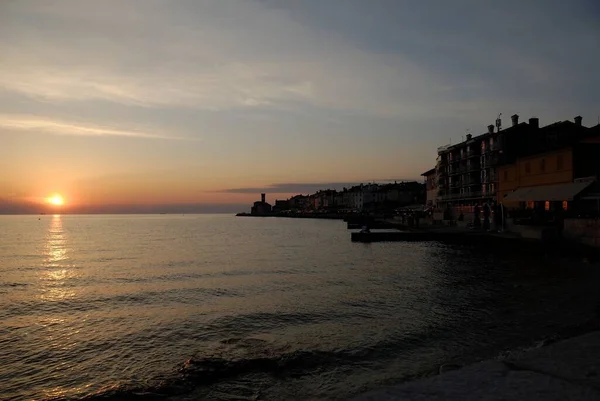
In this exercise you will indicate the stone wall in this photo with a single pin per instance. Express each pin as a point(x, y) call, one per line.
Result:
point(586, 231)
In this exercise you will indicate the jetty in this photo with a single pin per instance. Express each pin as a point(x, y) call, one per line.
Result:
point(405, 236)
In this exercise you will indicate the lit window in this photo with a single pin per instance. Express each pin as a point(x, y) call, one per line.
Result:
point(565, 205)
point(547, 206)
point(530, 204)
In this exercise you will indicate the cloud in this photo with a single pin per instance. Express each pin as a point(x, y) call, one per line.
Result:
point(197, 55)
point(299, 188)
point(47, 125)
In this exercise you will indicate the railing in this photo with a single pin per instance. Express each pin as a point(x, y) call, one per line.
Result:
point(469, 195)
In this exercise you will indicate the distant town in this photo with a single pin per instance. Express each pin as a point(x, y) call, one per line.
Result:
point(523, 167)
point(371, 197)
point(529, 180)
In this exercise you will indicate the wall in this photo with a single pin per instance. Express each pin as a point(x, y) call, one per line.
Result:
point(507, 181)
point(551, 174)
point(544, 169)
point(432, 197)
point(585, 231)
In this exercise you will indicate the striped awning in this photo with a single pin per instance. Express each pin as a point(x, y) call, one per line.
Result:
point(556, 192)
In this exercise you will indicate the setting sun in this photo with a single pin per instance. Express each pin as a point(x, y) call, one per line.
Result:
point(56, 200)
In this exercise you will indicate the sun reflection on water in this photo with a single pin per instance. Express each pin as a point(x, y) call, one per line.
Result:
point(57, 270)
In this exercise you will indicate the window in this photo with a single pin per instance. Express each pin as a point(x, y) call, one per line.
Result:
point(543, 165)
point(505, 175)
point(565, 205)
point(527, 168)
point(559, 162)
point(530, 204)
point(547, 206)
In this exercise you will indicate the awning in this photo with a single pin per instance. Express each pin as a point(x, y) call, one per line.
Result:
point(557, 192)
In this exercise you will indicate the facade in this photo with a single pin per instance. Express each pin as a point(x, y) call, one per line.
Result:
point(552, 168)
point(281, 205)
point(298, 202)
point(325, 199)
point(339, 200)
point(548, 168)
point(467, 173)
point(431, 188)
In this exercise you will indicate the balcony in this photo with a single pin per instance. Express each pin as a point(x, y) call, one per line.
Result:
point(492, 148)
point(465, 196)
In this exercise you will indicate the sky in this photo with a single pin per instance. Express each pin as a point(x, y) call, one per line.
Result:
point(168, 104)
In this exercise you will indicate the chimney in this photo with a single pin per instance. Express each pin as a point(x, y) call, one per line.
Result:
point(469, 136)
point(491, 129)
point(534, 122)
point(578, 120)
point(515, 119)
point(263, 198)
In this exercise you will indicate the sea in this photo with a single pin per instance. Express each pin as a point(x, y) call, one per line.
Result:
point(217, 307)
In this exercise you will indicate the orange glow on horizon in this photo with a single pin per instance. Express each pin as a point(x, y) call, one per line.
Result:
point(56, 200)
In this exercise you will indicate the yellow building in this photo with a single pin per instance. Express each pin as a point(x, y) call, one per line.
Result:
point(554, 167)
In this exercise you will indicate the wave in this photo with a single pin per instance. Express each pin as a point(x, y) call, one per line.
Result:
point(197, 372)
point(257, 357)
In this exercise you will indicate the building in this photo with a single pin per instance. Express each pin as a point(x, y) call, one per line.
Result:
point(431, 189)
point(467, 172)
point(362, 196)
point(281, 205)
point(339, 200)
point(553, 167)
point(261, 207)
point(298, 202)
point(372, 197)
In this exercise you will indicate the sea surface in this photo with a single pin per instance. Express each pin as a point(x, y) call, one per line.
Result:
point(222, 308)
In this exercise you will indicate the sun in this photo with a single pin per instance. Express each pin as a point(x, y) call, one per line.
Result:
point(56, 200)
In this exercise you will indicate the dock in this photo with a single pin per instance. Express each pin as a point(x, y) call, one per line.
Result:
point(404, 236)
point(374, 225)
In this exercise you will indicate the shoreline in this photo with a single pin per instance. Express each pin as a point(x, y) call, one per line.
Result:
point(563, 366)
point(447, 234)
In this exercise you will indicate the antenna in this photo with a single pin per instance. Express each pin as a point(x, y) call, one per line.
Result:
point(499, 122)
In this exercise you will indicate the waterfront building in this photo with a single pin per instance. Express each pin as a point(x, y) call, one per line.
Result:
point(466, 173)
point(299, 202)
point(431, 188)
point(261, 207)
point(281, 205)
point(554, 166)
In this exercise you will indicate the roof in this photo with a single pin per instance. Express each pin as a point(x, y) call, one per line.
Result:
point(513, 128)
point(429, 172)
point(556, 192)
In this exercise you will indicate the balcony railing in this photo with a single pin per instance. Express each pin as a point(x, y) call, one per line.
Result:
point(467, 196)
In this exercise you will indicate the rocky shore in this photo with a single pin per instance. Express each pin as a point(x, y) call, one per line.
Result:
point(564, 370)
